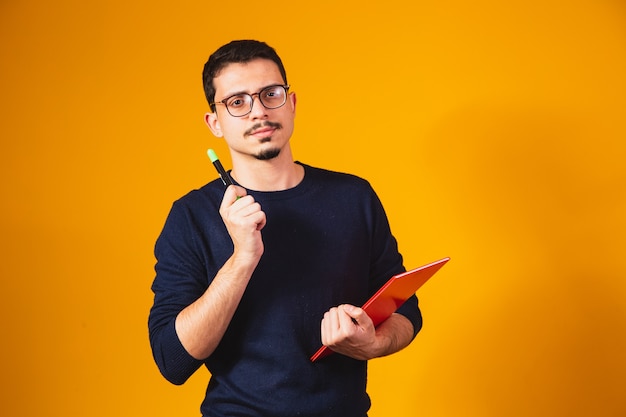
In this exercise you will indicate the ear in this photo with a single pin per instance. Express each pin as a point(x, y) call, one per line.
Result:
point(292, 98)
point(211, 121)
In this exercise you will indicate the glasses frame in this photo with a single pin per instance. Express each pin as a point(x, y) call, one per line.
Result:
point(258, 94)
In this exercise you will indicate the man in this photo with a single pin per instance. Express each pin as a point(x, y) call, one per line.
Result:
point(251, 280)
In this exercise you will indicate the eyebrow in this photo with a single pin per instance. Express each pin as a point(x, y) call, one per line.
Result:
point(245, 92)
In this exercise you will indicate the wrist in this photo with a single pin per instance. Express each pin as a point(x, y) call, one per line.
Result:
point(244, 263)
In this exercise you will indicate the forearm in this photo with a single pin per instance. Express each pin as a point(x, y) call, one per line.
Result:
point(201, 326)
point(392, 335)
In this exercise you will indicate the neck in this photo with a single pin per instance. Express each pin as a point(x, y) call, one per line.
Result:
point(277, 174)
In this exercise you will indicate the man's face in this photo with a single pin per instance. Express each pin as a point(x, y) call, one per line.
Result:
point(262, 133)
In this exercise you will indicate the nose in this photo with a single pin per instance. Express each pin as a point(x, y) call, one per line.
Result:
point(257, 111)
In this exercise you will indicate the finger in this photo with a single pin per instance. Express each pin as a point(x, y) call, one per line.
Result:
point(324, 329)
point(257, 218)
point(359, 317)
point(245, 206)
point(348, 318)
point(248, 211)
point(232, 194)
point(356, 314)
point(333, 319)
point(262, 220)
point(329, 327)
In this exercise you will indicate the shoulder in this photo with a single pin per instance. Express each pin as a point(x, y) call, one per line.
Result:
point(198, 203)
point(211, 192)
point(191, 219)
point(337, 188)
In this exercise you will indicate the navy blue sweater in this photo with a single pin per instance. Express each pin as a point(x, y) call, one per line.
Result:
point(327, 242)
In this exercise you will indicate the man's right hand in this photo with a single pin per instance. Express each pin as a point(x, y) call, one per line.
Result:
point(244, 220)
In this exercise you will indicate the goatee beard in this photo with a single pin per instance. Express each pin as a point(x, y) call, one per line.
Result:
point(268, 154)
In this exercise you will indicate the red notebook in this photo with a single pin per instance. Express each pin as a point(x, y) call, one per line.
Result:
point(392, 295)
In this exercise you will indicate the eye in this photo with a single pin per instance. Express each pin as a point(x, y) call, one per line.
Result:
point(236, 101)
point(272, 93)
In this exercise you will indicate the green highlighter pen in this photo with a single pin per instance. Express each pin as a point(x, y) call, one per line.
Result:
point(220, 169)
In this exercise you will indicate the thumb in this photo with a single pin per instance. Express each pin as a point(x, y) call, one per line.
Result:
point(355, 313)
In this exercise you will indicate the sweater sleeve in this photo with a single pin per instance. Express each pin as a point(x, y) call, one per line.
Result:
point(411, 311)
point(387, 261)
point(180, 280)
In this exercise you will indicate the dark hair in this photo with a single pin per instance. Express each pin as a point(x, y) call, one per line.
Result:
point(240, 52)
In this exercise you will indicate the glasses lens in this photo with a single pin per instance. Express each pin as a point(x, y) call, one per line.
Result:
point(273, 97)
point(238, 105)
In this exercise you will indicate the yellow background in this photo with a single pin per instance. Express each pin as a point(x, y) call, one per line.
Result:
point(493, 132)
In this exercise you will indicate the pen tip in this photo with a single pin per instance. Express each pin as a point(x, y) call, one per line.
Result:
point(212, 155)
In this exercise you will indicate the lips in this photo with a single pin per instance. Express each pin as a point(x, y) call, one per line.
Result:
point(263, 130)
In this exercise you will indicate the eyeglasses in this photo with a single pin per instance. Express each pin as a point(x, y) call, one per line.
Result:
point(271, 97)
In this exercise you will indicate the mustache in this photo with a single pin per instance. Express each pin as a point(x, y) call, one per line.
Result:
point(267, 123)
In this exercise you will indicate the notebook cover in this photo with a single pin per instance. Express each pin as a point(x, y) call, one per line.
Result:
point(392, 295)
